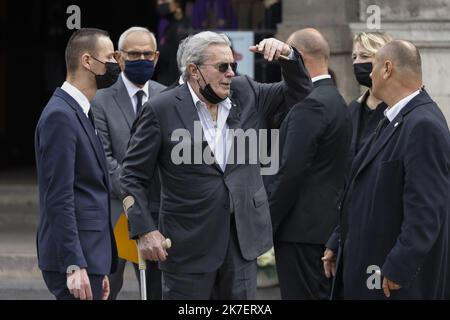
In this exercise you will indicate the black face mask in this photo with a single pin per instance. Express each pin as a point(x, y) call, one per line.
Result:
point(110, 77)
point(208, 93)
point(164, 11)
point(362, 73)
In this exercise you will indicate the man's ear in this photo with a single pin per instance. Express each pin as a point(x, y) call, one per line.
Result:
point(85, 60)
point(156, 58)
point(388, 68)
point(193, 71)
point(118, 55)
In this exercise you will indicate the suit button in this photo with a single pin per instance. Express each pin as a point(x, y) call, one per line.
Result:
point(226, 206)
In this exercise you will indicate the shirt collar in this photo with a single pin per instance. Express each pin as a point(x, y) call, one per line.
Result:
point(393, 111)
point(321, 77)
point(79, 97)
point(132, 89)
point(226, 103)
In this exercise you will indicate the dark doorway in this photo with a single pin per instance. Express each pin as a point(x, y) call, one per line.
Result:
point(33, 38)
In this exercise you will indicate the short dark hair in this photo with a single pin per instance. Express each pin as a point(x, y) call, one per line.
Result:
point(81, 41)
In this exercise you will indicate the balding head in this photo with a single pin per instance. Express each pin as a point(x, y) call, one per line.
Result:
point(404, 56)
point(311, 42)
point(397, 71)
point(314, 48)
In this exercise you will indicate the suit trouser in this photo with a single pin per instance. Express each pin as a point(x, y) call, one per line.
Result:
point(234, 280)
point(153, 279)
point(300, 271)
point(57, 284)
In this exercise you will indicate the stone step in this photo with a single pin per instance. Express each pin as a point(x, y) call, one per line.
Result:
point(18, 256)
point(19, 207)
point(35, 289)
point(20, 277)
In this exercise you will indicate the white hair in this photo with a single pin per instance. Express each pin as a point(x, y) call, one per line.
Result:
point(123, 37)
point(195, 49)
point(180, 51)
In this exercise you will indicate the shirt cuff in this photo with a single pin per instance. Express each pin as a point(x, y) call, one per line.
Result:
point(292, 55)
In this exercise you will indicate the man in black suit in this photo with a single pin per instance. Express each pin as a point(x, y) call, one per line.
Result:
point(215, 212)
point(394, 228)
point(304, 195)
point(76, 247)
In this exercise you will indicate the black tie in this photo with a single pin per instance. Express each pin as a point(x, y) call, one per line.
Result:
point(380, 127)
point(139, 96)
point(91, 118)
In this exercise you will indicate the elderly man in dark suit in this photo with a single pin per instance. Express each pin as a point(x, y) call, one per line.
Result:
point(393, 235)
point(304, 195)
point(115, 110)
point(216, 213)
point(76, 247)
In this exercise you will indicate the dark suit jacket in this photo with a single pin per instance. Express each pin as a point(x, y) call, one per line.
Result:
point(396, 211)
point(315, 141)
point(114, 118)
point(175, 84)
point(74, 227)
point(195, 199)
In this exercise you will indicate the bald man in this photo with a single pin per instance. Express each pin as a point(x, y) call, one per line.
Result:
point(394, 229)
point(304, 195)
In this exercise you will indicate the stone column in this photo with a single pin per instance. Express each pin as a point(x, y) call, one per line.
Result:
point(332, 19)
point(427, 25)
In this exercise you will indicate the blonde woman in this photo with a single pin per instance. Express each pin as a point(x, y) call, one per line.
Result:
point(366, 111)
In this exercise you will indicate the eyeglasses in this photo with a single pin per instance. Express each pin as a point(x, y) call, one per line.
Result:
point(136, 55)
point(223, 67)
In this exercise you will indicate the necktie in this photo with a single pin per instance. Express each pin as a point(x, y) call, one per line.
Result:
point(381, 125)
point(91, 118)
point(139, 96)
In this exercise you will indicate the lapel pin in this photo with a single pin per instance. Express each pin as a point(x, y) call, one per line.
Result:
point(395, 125)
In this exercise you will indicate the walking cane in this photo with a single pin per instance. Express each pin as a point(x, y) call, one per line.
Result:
point(128, 202)
point(166, 244)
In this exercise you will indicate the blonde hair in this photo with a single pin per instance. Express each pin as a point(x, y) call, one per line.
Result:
point(372, 41)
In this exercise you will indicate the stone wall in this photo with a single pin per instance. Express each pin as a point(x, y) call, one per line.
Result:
point(331, 18)
point(426, 23)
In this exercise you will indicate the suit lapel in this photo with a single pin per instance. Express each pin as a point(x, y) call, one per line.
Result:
point(188, 114)
point(186, 109)
point(377, 146)
point(386, 134)
point(87, 126)
point(124, 102)
point(94, 139)
point(234, 122)
point(151, 90)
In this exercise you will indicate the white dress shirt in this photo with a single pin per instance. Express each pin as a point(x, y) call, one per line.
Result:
point(216, 133)
point(78, 96)
point(321, 77)
point(393, 111)
point(132, 89)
